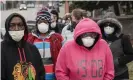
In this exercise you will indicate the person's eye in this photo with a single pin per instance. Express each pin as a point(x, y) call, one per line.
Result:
point(11, 25)
point(20, 24)
point(85, 35)
point(94, 35)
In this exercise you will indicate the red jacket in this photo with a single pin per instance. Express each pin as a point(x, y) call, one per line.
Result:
point(55, 42)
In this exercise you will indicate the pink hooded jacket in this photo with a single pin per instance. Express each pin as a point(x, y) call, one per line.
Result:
point(78, 63)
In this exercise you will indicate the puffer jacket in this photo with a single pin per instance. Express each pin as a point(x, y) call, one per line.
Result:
point(120, 46)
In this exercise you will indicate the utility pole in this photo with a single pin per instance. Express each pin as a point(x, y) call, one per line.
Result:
point(66, 6)
point(12, 3)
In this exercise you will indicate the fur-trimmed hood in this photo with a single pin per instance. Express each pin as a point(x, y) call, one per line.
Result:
point(114, 21)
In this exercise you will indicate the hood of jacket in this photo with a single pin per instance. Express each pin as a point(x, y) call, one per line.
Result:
point(114, 21)
point(86, 25)
point(7, 37)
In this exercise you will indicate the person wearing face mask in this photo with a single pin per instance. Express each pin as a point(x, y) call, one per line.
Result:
point(119, 44)
point(47, 43)
point(55, 25)
point(20, 60)
point(67, 32)
point(67, 19)
point(63, 21)
point(87, 57)
point(60, 20)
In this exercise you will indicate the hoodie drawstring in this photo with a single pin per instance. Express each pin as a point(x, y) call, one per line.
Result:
point(21, 55)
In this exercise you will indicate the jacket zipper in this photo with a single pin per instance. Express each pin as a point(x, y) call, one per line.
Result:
point(43, 49)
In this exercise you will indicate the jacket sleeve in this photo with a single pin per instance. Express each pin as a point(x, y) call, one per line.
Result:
point(61, 68)
point(109, 65)
point(127, 46)
point(63, 33)
point(128, 50)
point(40, 64)
point(3, 65)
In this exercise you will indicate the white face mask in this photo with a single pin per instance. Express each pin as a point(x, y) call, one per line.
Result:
point(108, 30)
point(16, 35)
point(63, 21)
point(59, 20)
point(43, 27)
point(88, 41)
point(53, 25)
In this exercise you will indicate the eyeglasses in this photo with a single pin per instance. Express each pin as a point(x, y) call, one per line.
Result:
point(14, 26)
point(91, 34)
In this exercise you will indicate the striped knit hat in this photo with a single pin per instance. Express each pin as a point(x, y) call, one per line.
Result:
point(43, 14)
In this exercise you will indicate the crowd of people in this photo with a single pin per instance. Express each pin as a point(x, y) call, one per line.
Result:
point(74, 47)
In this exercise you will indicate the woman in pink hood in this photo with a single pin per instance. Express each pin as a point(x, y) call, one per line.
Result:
point(87, 57)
